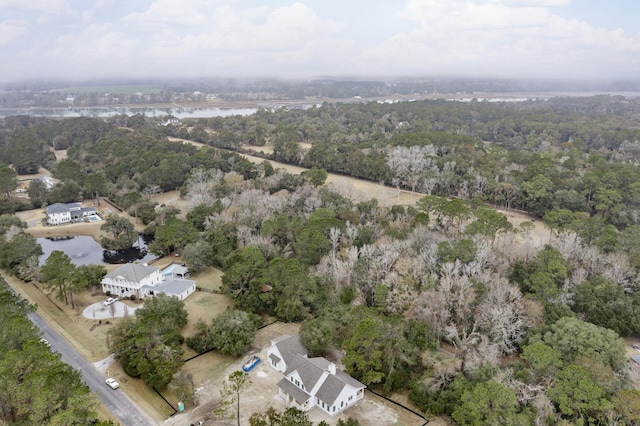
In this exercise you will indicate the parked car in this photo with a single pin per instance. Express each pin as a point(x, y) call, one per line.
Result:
point(635, 346)
point(45, 342)
point(252, 362)
point(112, 383)
point(110, 301)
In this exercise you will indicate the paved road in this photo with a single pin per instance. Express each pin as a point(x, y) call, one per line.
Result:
point(116, 401)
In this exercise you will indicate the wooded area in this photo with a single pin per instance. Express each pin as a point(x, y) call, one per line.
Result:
point(443, 300)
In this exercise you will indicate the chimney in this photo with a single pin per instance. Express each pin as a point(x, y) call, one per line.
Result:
point(332, 368)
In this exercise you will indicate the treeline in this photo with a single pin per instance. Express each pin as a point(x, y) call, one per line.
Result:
point(36, 386)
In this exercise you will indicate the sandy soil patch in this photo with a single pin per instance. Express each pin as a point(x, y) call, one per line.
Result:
point(60, 154)
point(187, 141)
point(267, 149)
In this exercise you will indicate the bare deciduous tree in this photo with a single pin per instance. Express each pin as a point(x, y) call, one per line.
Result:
point(501, 315)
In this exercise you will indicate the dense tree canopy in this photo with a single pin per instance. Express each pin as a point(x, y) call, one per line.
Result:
point(36, 386)
point(149, 346)
point(230, 333)
point(573, 337)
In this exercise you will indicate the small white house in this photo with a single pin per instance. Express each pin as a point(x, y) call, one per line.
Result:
point(141, 281)
point(60, 213)
point(311, 382)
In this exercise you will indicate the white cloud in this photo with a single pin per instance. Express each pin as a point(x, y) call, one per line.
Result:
point(171, 12)
point(11, 30)
point(249, 41)
point(506, 38)
point(289, 37)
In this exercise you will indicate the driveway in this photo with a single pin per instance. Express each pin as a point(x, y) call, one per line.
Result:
point(116, 310)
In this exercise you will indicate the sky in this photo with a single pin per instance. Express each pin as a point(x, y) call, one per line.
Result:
point(97, 39)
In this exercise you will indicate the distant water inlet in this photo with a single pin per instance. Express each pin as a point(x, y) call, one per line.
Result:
point(85, 250)
point(150, 111)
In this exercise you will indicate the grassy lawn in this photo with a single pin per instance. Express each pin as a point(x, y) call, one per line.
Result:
point(209, 278)
point(204, 306)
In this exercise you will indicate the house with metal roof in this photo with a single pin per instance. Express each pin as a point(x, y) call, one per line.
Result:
point(142, 280)
point(311, 382)
point(60, 213)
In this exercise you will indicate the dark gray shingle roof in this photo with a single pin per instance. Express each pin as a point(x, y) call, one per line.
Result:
point(275, 358)
point(290, 345)
point(297, 393)
point(349, 380)
point(330, 389)
point(309, 373)
point(57, 208)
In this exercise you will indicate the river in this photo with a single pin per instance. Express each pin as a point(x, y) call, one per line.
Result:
point(147, 110)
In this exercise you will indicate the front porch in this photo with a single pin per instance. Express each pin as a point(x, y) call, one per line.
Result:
point(294, 396)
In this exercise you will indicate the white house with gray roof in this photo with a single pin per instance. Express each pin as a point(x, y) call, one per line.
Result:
point(311, 382)
point(143, 280)
point(60, 213)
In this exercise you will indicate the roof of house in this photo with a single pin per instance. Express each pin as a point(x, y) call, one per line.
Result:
point(57, 208)
point(330, 389)
point(133, 272)
point(80, 212)
point(311, 371)
point(174, 286)
point(290, 345)
point(179, 270)
point(636, 358)
point(349, 380)
point(275, 358)
point(291, 389)
point(68, 207)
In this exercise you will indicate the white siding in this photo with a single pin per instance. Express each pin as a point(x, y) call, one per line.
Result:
point(281, 367)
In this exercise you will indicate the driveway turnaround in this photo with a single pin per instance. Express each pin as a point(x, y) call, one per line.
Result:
point(99, 311)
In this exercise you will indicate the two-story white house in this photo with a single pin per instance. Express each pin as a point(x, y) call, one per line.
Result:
point(60, 213)
point(311, 382)
point(138, 280)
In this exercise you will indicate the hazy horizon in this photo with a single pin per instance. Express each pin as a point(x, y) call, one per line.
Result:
point(79, 40)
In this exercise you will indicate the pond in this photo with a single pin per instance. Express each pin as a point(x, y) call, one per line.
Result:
point(85, 250)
